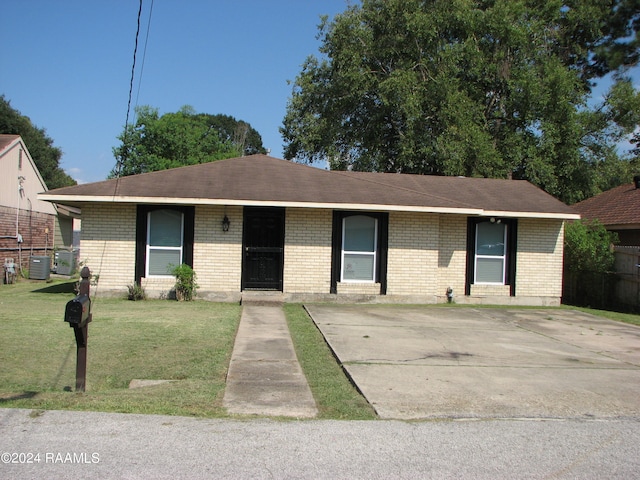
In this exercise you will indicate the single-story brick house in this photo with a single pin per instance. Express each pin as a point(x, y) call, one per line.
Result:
point(261, 223)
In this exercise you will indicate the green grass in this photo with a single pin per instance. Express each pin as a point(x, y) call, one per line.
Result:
point(188, 342)
point(617, 316)
point(335, 396)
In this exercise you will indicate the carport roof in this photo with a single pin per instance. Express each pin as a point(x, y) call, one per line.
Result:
point(261, 180)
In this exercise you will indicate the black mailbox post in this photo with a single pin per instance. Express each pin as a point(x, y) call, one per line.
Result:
point(77, 314)
point(78, 311)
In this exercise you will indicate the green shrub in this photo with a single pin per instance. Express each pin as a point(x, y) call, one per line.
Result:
point(186, 285)
point(587, 247)
point(589, 261)
point(136, 292)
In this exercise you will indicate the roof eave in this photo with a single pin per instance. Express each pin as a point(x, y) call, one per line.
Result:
point(550, 215)
point(83, 199)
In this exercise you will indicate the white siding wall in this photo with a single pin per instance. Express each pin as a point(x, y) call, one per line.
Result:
point(32, 184)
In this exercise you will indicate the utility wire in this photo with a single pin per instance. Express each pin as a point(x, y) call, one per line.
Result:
point(144, 56)
point(133, 71)
point(121, 160)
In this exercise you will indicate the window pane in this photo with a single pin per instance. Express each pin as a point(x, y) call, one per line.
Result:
point(489, 270)
point(359, 234)
point(490, 239)
point(358, 267)
point(165, 228)
point(161, 261)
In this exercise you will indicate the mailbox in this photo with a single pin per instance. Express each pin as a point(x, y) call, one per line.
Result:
point(77, 312)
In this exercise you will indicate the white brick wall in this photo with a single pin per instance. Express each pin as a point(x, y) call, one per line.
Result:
point(539, 263)
point(427, 255)
point(108, 244)
point(413, 254)
point(307, 251)
point(452, 255)
point(217, 255)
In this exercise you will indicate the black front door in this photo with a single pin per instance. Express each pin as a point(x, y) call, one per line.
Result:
point(263, 248)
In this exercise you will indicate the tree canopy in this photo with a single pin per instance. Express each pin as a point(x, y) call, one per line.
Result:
point(158, 142)
point(494, 88)
point(40, 145)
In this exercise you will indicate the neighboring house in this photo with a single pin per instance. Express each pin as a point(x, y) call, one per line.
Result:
point(28, 226)
point(260, 223)
point(618, 210)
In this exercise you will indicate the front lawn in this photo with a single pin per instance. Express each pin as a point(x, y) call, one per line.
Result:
point(189, 343)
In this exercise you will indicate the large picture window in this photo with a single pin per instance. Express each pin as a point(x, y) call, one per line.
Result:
point(165, 241)
point(359, 246)
point(491, 259)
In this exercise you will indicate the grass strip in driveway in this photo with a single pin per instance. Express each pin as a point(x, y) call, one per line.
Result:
point(336, 397)
point(189, 343)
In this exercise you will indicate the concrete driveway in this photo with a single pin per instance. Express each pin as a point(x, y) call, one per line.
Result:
point(453, 362)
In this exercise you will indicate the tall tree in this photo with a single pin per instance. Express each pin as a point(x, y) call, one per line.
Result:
point(176, 139)
point(242, 135)
point(40, 145)
point(466, 87)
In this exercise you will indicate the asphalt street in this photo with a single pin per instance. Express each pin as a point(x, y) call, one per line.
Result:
point(73, 445)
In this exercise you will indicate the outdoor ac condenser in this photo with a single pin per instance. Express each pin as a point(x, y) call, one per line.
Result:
point(39, 267)
point(64, 261)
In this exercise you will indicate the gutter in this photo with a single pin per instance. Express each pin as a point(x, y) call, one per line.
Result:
point(81, 199)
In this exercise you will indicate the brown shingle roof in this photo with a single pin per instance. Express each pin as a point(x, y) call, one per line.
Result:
point(618, 206)
point(263, 180)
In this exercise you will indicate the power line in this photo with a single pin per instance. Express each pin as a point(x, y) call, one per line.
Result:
point(144, 56)
point(133, 71)
point(126, 124)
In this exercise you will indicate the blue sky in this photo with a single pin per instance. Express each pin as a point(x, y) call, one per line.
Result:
point(66, 64)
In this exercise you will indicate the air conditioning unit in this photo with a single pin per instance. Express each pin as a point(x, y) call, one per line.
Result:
point(39, 267)
point(64, 262)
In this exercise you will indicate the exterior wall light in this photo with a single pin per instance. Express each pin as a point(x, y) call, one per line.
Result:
point(225, 224)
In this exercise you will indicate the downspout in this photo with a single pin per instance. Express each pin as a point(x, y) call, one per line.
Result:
point(30, 226)
point(21, 180)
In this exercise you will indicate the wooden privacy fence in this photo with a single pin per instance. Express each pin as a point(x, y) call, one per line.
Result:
point(627, 267)
point(618, 290)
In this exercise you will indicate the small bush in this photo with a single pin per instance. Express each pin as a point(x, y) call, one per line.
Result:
point(186, 285)
point(136, 292)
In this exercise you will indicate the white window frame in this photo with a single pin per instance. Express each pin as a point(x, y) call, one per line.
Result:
point(502, 257)
point(373, 254)
point(155, 247)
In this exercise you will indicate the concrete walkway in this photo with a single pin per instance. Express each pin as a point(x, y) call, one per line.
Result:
point(264, 376)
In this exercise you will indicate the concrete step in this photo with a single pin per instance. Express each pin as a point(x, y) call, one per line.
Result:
point(262, 298)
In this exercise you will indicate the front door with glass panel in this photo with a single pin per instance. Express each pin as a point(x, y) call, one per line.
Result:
point(263, 248)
